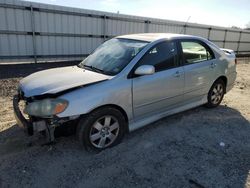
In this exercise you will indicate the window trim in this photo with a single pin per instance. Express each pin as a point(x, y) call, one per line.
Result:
point(182, 58)
point(177, 63)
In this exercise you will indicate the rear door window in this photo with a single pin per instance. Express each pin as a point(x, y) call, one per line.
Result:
point(195, 52)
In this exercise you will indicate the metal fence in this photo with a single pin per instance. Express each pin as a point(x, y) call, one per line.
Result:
point(38, 32)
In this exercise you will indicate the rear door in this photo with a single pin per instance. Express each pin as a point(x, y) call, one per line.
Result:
point(198, 63)
point(162, 90)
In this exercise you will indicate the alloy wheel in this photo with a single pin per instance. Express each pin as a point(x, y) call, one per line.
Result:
point(217, 94)
point(104, 131)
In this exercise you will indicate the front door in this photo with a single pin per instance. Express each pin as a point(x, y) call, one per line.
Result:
point(162, 90)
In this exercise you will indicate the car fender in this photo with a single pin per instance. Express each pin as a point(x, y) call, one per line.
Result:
point(84, 100)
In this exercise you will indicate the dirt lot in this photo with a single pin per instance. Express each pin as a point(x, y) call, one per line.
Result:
point(197, 148)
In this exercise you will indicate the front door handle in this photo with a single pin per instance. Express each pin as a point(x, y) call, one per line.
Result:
point(213, 65)
point(177, 74)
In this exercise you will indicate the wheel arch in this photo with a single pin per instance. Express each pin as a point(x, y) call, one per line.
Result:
point(116, 107)
point(223, 78)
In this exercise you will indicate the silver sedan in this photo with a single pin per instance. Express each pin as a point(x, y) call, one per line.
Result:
point(126, 83)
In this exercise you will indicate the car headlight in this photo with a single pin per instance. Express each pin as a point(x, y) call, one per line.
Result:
point(46, 107)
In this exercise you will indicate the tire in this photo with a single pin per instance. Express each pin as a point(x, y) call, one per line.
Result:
point(101, 129)
point(216, 94)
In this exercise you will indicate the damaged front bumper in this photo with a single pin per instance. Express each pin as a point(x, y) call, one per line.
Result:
point(20, 119)
point(30, 126)
point(35, 124)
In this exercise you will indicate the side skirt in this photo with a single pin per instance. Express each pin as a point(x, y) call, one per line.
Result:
point(133, 125)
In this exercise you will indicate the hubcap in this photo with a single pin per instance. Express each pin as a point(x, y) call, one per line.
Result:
point(217, 94)
point(104, 131)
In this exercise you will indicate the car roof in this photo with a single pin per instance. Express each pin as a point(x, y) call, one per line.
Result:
point(150, 37)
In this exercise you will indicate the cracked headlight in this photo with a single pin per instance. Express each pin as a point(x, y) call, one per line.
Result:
point(46, 107)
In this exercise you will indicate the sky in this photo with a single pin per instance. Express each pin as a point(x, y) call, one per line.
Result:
point(225, 13)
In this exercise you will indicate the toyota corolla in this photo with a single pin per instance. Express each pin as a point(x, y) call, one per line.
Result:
point(127, 82)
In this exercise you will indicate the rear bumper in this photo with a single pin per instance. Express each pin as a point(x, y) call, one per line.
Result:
point(229, 87)
point(231, 80)
point(20, 119)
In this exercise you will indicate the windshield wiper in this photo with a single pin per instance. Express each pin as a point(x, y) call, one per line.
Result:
point(94, 68)
point(79, 65)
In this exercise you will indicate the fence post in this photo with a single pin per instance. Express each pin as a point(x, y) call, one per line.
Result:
point(209, 33)
point(225, 37)
point(33, 33)
point(185, 29)
point(238, 46)
point(147, 22)
point(104, 27)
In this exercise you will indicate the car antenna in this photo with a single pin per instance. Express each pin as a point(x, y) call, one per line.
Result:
point(185, 25)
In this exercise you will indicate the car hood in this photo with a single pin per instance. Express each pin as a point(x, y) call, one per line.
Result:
point(55, 80)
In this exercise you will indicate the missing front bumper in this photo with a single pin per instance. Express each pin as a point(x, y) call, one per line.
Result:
point(32, 125)
point(20, 119)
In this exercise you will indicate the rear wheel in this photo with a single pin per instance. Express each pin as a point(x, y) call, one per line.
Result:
point(216, 94)
point(103, 128)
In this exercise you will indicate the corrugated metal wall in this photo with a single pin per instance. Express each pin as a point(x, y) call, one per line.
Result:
point(32, 31)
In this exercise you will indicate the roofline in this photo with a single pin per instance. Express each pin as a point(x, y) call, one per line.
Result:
point(151, 37)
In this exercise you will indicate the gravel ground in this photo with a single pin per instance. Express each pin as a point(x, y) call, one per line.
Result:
point(196, 148)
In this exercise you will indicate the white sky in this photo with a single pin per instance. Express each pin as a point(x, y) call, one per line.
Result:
point(212, 12)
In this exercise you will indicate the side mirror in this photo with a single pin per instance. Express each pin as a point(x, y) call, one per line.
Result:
point(145, 70)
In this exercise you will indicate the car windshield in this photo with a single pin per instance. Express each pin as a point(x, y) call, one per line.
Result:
point(113, 55)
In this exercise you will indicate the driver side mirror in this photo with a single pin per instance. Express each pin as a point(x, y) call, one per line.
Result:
point(145, 70)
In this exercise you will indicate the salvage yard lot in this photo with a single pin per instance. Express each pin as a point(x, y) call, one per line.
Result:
point(196, 148)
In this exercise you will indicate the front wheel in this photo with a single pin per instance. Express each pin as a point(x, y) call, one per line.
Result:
point(216, 94)
point(103, 128)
